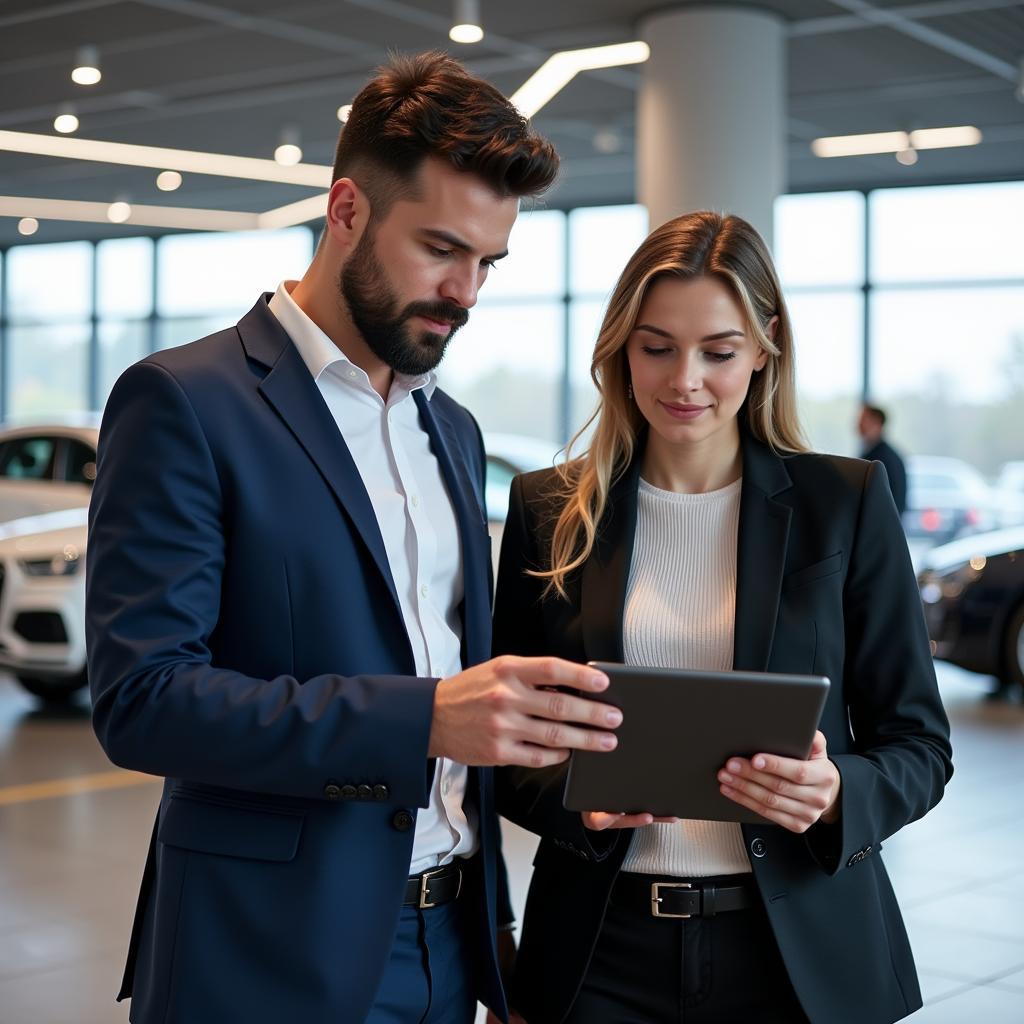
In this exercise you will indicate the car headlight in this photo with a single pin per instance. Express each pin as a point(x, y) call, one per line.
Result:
point(949, 583)
point(63, 563)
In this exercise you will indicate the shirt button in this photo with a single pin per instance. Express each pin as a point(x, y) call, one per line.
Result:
point(351, 373)
point(446, 786)
point(414, 501)
point(424, 590)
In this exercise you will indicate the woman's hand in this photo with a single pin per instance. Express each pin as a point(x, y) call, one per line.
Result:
point(790, 792)
point(598, 821)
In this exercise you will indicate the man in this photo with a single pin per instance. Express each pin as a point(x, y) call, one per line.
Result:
point(870, 426)
point(289, 604)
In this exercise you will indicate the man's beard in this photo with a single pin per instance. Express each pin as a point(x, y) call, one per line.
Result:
point(373, 307)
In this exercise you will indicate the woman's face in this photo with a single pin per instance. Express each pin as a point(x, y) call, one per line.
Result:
point(691, 356)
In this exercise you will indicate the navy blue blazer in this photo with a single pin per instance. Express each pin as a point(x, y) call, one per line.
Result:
point(246, 642)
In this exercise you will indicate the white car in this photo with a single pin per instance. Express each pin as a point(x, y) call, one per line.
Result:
point(42, 602)
point(47, 467)
point(1009, 494)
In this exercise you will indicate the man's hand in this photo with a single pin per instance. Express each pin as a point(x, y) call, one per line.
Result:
point(505, 712)
point(598, 821)
point(790, 792)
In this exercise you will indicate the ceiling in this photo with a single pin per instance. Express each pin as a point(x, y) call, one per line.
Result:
point(228, 75)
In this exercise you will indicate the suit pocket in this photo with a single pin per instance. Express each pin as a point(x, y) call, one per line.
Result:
point(230, 831)
point(811, 573)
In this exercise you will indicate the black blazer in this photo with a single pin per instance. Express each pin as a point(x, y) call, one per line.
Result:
point(824, 586)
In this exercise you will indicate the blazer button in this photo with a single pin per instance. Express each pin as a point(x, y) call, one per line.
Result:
point(332, 791)
point(365, 792)
point(381, 792)
point(348, 792)
point(758, 847)
point(403, 821)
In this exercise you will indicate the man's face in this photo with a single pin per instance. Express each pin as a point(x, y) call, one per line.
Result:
point(868, 426)
point(412, 278)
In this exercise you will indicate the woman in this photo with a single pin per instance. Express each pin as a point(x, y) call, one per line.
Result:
point(698, 532)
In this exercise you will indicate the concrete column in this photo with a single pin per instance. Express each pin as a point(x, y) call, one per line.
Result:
point(711, 131)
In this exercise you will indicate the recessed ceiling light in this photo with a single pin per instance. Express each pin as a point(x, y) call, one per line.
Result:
point(87, 66)
point(118, 212)
point(288, 152)
point(466, 22)
point(65, 123)
point(343, 112)
point(28, 226)
point(168, 181)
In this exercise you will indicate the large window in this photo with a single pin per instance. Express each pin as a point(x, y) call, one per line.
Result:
point(912, 297)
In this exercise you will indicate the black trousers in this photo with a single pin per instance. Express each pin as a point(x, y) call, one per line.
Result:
point(724, 969)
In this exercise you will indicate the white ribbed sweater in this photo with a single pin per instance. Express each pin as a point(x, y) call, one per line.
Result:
point(680, 613)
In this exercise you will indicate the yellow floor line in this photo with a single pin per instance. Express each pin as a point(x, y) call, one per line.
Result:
point(72, 786)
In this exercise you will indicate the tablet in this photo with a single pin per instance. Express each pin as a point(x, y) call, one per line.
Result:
point(678, 730)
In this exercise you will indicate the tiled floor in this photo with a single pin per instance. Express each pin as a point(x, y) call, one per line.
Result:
point(70, 866)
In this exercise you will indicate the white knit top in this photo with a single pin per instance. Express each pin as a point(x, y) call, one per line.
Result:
point(680, 613)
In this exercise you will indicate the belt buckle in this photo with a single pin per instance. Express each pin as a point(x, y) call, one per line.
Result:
point(424, 884)
point(656, 897)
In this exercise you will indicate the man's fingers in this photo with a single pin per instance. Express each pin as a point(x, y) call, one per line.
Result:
point(564, 707)
point(547, 733)
point(530, 755)
point(557, 672)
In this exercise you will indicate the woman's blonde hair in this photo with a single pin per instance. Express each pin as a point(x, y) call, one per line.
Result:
point(696, 245)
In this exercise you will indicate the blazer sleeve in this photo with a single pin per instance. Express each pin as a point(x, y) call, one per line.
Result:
point(532, 798)
point(902, 759)
point(156, 557)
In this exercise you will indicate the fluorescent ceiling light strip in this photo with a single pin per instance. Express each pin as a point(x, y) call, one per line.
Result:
point(945, 138)
point(222, 164)
point(560, 69)
point(313, 208)
point(143, 216)
point(860, 145)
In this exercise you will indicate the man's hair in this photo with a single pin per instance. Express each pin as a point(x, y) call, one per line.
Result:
point(429, 105)
point(877, 413)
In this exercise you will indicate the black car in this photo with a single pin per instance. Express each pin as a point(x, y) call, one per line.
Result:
point(973, 593)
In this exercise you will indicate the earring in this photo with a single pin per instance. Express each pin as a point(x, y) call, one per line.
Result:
point(629, 390)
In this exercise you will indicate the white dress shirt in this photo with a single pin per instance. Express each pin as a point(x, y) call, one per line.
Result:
point(392, 452)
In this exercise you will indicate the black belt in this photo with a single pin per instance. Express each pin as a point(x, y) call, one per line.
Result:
point(434, 887)
point(674, 898)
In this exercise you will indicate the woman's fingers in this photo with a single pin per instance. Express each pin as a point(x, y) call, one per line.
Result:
point(598, 821)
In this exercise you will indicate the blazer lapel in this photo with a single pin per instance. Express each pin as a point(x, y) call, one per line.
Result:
point(291, 391)
point(761, 554)
point(606, 572)
point(472, 528)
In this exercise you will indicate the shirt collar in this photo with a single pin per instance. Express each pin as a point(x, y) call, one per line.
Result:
point(320, 354)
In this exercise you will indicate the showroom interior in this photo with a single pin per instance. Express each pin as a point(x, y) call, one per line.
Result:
point(163, 162)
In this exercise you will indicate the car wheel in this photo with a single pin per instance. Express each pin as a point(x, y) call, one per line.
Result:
point(1013, 648)
point(54, 691)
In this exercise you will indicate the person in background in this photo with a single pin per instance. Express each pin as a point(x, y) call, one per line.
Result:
point(871, 427)
point(288, 609)
point(698, 532)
